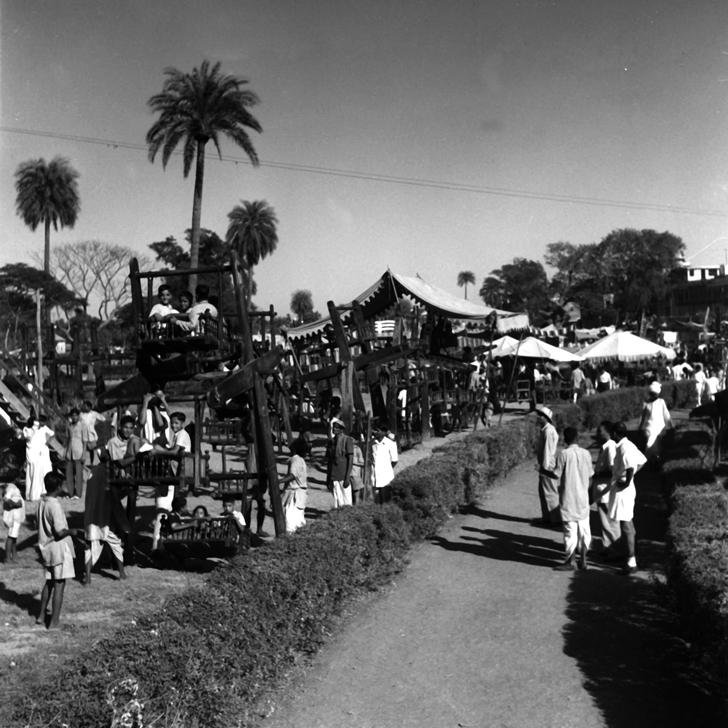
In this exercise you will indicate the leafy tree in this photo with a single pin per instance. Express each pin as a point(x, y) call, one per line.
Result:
point(18, 283)
point(465, 278)
point(252, 232)
point(302, 307)
point(195, 108)
point(636, 266)
point(214, 252)
point(518, 286)
point(48, 194)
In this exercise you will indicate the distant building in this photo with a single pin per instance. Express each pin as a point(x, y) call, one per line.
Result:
point(696, 288)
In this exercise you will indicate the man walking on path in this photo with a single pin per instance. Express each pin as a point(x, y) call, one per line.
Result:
point(548, 482)
point(628, 460)
point(601, 489)
point(574, 470)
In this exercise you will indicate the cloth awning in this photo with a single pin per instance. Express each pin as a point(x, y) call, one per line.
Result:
point(625, 346)
point(390, 287)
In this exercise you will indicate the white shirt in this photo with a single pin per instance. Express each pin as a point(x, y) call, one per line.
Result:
point(198, 309)
point(384, 453)
point(89, 420)
point(182, 439)
point(162, 310)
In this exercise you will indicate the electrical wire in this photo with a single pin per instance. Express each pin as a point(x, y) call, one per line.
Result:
point(391, 179)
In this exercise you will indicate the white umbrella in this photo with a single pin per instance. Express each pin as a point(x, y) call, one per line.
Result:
point(533, 348)
point(505, 346)
point(625, 346)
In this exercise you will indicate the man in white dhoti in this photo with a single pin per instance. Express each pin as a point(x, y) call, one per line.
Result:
point(574, 471)
point(655, 421)
point(104, 520)
point(37, 457)
point(548, 484)
point(627, 461)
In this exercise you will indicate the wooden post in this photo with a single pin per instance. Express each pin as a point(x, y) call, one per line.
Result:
point(424, 403)
point(272, 314)
point(197, 445)
point(267, 459)
point(261, 427)
point(39, 343)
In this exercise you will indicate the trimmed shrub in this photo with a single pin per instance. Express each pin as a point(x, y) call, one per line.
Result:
point(698, 547)
point(213, 652)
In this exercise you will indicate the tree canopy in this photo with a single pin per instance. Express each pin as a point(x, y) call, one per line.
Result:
point(214, 252)
point(252, 232)
point(302, 307)
point(95, 271)
point(465, 278)
point(47, 193)
point(195, 108)
point(521, 285)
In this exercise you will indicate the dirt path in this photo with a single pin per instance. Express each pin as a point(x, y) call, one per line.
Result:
point(480, 632)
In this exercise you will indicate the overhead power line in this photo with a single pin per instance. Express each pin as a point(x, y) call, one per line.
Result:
point(393, 179)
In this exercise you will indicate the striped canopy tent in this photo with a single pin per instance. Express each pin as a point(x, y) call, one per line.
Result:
point(625, 346)
point(391, 287)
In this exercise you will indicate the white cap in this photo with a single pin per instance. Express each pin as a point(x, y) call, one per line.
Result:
point(545, 412)
point(655, 387)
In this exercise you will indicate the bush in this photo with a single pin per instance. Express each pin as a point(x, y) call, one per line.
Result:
point(210, 655)
point(698, 547)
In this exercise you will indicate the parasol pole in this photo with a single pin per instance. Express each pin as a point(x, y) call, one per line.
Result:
point(510, 383)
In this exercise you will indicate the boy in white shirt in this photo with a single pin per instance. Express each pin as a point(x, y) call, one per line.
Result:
point(164, 308)
point(385, 458)
point(180, 445)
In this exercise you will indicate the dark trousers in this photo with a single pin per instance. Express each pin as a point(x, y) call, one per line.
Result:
point(74, 477)
point(383, 495)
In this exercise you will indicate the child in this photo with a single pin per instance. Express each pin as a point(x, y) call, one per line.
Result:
point(13, 516)
point(385, 458)
point(179, 446)
point(74, 455)
point(89, 417)
point(488, 413)
point(294, 495)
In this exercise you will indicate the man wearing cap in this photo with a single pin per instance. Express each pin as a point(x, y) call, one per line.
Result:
point(340, 463)
point(655, 421)
point(548, 482)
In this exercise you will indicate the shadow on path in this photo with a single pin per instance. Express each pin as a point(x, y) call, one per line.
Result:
point(626, 639)
point(506, 546)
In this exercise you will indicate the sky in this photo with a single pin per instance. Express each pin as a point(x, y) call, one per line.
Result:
point(618, 101)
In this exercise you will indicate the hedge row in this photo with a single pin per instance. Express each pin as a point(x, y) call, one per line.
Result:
point(210, 655)
point(698, 541)
point(623, 404)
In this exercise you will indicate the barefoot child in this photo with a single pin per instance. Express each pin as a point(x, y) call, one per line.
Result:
point(13, 516)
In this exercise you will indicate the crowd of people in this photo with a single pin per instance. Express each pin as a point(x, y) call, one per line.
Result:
point(569, 483)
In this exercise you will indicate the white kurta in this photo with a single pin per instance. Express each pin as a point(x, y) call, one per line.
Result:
point(621, 502)
point(658, 418)
point(37, 460)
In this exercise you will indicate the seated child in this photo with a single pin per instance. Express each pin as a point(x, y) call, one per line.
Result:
point(13, 517)
point(162, 310)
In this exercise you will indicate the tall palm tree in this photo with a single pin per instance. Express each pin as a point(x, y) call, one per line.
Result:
point(48, 194)
point(195, 108)
point(252, 232)
point(466, 277)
